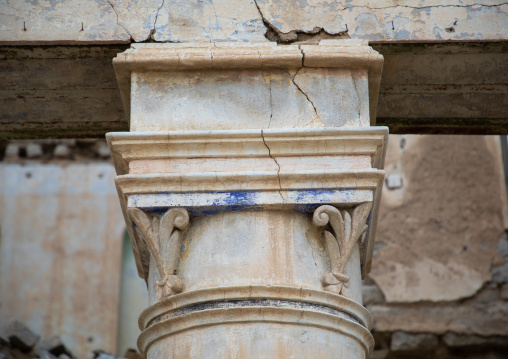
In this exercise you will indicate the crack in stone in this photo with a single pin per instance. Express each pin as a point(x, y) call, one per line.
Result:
point(419, 7)
point(153, 31)
point(12, 7)
point(271, 109)
point(118, 20)
point(274, 34)
point(359, 99)
point(210, 22)
point(277, 163)
point(300, 89)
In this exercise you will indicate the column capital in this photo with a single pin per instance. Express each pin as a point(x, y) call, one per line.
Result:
point(208, 172)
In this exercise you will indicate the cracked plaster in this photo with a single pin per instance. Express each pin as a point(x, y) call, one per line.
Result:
point(382, 20)
point(247, 20)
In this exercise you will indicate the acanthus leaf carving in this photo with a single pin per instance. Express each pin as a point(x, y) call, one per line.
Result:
point(349, 227)
point(163, 237)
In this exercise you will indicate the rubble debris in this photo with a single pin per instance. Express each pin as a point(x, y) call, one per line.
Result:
point(20, 336)
point(53, 345)
point(61, 149)
point(34, 150)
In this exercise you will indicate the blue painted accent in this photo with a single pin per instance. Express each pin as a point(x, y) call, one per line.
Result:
point(320, 195)
point(195, 211)
point(305, 201)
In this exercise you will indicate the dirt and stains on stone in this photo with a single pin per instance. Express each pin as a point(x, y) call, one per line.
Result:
point(116, 21)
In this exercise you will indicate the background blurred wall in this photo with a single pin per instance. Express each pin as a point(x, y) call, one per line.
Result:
point(60, 251)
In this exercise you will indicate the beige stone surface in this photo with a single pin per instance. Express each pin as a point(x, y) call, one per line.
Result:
point(61, 239)
point(389, 20)
point(206, 100)
point(451, 208)
point(273, 338)
point(169, 87)
point(226, 20)
point(258, 248)
point(60, 21)
point(222, 100)
point(209, 21)
point(244, 164)
point(239, 255)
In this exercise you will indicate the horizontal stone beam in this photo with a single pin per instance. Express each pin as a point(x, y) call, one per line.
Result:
point(114, 21)
point(72, 92)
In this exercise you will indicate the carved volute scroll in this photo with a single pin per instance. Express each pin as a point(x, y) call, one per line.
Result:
point(348, 228)
point(163, 237)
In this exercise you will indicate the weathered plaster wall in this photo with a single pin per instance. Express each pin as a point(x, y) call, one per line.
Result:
point(438, 232)
point(440, 265)
point(103, 21)
point(60, 250)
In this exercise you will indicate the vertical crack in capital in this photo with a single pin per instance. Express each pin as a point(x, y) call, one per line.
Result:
point(359, 98)
point(271, 104)
point(277, 163)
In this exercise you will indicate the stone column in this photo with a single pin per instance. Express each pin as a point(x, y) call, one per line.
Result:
point(250, 183)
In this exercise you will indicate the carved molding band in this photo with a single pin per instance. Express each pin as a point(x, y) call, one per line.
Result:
point(348, 228)
point(163, 237)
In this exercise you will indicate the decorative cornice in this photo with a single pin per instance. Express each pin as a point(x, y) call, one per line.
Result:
point(131, 146)
point(274, 187)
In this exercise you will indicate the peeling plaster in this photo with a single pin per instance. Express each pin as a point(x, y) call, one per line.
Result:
point(249, 20)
